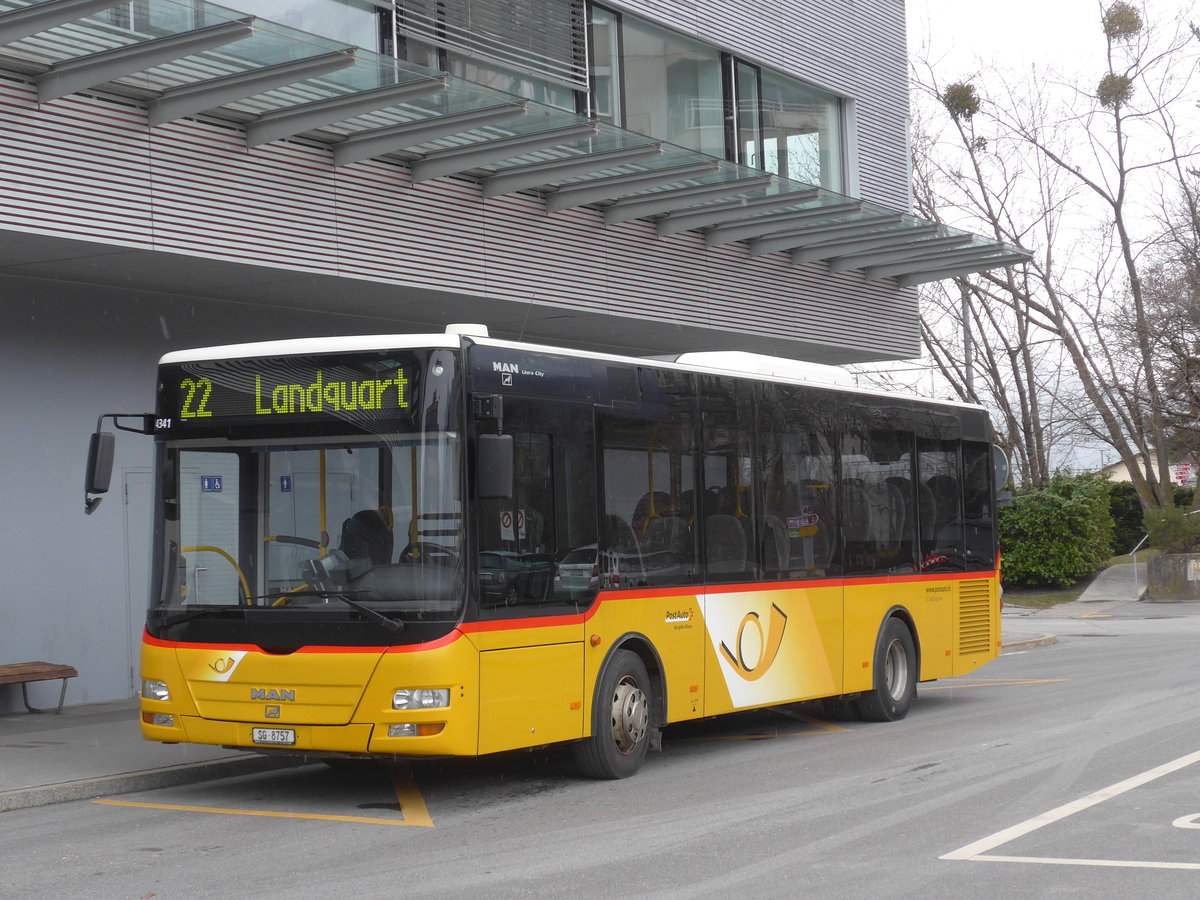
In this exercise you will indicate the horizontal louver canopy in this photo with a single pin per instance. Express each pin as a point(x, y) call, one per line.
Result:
point(185, 59)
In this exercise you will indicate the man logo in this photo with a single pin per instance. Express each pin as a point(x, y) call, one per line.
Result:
point(272, 694)
point(755, 668)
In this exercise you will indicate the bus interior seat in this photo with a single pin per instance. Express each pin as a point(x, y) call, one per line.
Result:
point(365, 535)
point(726, 543)
point(669, 533)
point(776, 546)
point(619, 536)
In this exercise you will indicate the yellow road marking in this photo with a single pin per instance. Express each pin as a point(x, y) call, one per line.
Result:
point(412, 807)
point(1095, 616)
point(412, 804)
point(997, 683)
point(250, 812)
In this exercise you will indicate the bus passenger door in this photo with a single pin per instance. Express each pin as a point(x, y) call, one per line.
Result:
point(530, 635)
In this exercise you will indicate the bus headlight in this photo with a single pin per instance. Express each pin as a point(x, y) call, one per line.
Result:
point(155, 690)
point(421, 698)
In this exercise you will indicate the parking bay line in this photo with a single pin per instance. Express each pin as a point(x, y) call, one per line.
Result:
point(1007, 682)
point(412, 807)
point(978, 851)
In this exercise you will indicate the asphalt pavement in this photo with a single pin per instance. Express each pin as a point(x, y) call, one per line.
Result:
point(95, 750)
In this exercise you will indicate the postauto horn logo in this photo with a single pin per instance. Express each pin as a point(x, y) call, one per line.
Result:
point(753, 666)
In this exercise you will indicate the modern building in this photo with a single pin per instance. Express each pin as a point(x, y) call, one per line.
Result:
point(642, 176)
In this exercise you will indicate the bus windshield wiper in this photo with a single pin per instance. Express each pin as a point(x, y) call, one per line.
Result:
point(388, 622)
point(190, 614)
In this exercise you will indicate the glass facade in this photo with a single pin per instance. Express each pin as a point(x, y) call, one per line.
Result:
point(642, 77)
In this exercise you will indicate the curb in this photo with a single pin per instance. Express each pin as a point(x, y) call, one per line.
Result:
point(90, 788)
point(1041, 640)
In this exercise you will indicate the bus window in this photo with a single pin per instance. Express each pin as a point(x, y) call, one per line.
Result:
point(728, 510)
point(939, 497)
point(212, 564)
point(978, 525)
point(649, 486)
point(525, 540)
point(795, 465)
point(877, 492)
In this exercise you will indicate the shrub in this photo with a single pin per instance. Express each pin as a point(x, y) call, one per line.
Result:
point(1058, 534)
point(1126, 511)
point(1173, 530)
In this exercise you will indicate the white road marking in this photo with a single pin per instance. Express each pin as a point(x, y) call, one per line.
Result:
point(1192, 821)
point(1103, 863)
point(980, 847)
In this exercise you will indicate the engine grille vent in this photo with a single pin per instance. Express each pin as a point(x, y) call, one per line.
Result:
point(974, 617)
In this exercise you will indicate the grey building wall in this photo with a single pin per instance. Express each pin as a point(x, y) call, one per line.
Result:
point(75, 586)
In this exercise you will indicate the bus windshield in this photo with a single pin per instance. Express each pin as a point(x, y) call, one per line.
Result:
point(358, 533)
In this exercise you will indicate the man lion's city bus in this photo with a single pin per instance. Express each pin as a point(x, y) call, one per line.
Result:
point(450, 545)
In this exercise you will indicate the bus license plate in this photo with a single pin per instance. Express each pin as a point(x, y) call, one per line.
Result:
point(273, 735)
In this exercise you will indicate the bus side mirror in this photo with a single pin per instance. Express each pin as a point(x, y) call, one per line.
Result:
point(99, 469)
point(494, 466)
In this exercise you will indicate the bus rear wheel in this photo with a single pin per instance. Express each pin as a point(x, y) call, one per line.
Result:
point(895, 681)
point(621, 720)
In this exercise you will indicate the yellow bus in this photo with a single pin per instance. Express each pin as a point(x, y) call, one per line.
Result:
point(453, 545)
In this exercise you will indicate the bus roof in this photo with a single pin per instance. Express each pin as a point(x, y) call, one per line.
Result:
point(714, 362)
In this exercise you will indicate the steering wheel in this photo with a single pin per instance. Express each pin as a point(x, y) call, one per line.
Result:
point(428, 552)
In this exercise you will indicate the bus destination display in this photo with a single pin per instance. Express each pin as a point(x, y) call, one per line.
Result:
point(256, 391)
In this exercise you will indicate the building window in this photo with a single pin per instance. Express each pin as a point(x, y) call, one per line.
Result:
point(679, 94)
point(534, 49)
point(356, 22)
point(659, 83)
point(511, 82)
point(605, 66)
point(748, 138)
point(800, 132)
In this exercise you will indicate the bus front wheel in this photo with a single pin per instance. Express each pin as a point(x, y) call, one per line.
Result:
point(895, 680)
point(620, 720)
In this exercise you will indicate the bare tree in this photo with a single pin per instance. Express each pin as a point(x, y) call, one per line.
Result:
point(1070, 174)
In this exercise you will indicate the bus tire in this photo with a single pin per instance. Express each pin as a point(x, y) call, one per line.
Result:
point(895, 675)
point(621, 720)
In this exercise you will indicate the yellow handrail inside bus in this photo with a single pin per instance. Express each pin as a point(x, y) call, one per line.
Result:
point(232, 562)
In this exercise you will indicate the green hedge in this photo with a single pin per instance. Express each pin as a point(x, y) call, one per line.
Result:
point(1126, 509)
point(1058, 534)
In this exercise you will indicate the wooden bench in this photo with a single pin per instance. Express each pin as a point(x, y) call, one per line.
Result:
point(23, 673)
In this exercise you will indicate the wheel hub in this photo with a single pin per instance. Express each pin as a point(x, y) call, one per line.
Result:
point(629, 715)
point(896, 670)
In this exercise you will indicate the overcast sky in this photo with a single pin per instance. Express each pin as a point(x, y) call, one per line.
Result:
point(959, 34)
point(962, 36)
